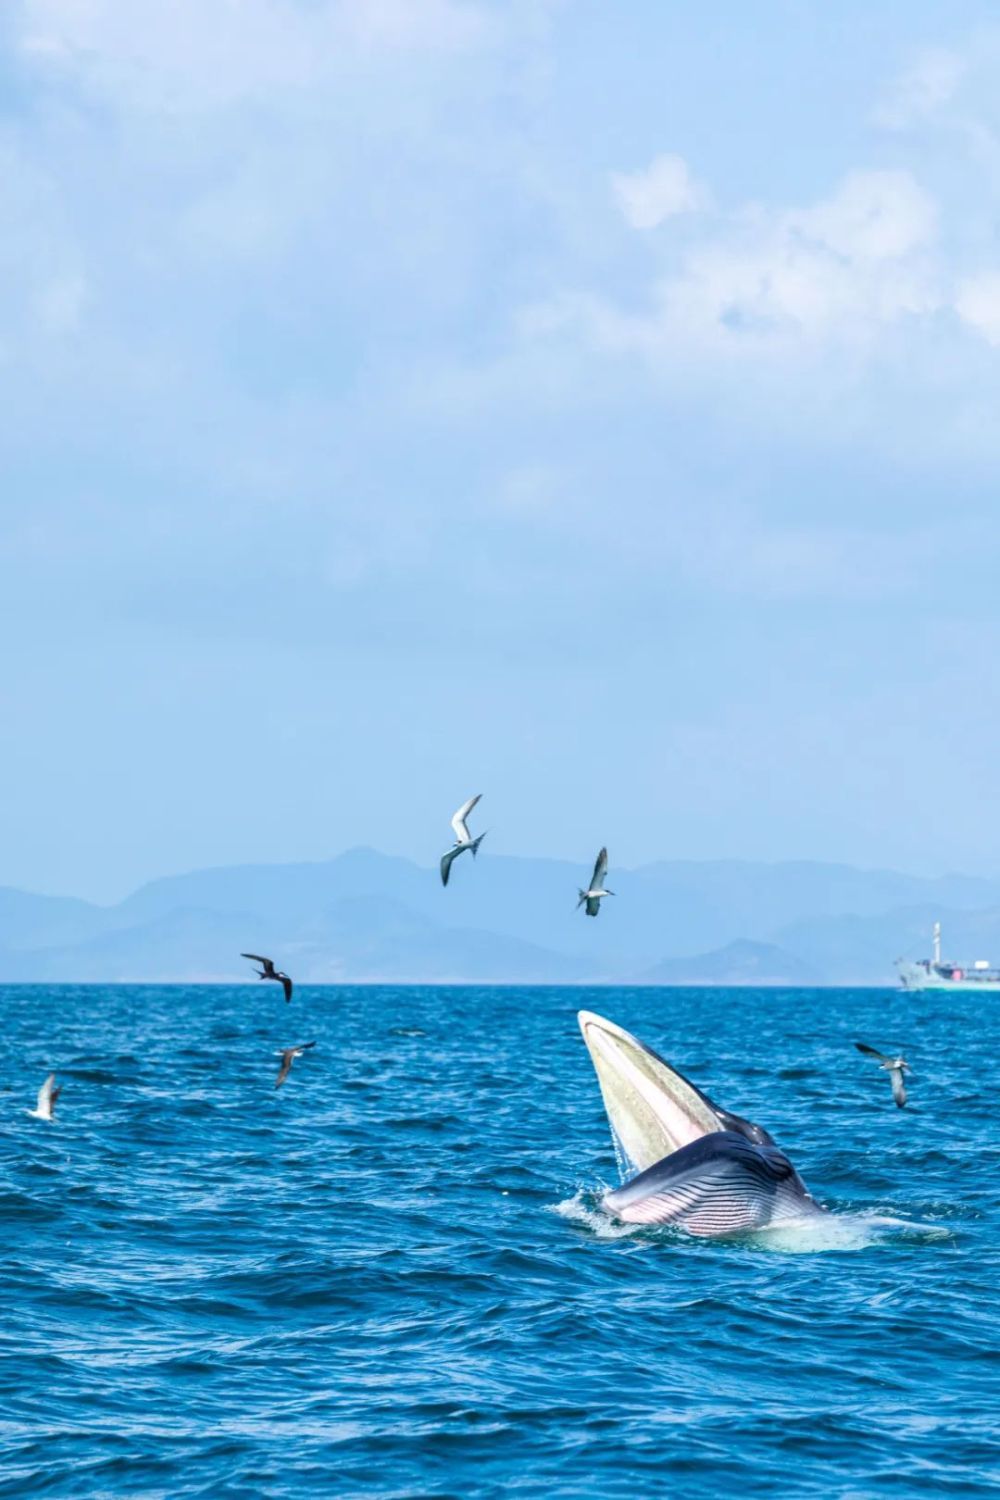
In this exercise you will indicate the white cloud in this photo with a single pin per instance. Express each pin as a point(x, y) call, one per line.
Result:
point(185, 54)
point(977, 302)
point(770, 282)
point(657, 192)
point(871, 216)
point(929, 82)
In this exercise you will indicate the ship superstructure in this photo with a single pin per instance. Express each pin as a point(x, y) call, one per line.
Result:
point(935, 973)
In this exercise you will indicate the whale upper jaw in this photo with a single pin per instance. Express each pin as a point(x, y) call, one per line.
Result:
point(653, 1109)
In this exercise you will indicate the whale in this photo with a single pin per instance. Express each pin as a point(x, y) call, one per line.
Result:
point(693, 1165)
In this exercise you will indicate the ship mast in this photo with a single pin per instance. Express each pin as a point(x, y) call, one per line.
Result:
point(937, 942)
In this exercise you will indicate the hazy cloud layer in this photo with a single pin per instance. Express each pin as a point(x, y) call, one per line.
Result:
point(402, 397)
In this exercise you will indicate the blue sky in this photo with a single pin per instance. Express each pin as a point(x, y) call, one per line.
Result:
point(593, 406)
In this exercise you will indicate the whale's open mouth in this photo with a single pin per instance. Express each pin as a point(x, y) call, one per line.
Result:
point(653, 1109)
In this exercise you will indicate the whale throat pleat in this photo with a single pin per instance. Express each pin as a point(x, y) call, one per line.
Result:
point(721, 1184)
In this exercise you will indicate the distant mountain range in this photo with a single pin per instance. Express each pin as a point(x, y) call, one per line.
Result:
point(369, 916)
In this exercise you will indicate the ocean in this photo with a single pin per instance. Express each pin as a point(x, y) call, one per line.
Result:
point(392, 1278)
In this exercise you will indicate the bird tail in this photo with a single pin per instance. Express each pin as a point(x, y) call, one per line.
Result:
point(476, 843)
point(583, 897)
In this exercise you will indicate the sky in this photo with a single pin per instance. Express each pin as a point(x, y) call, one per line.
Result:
point(593, 406)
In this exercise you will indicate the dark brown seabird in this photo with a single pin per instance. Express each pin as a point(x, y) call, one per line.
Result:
point(288, 1056)
point(270, 972)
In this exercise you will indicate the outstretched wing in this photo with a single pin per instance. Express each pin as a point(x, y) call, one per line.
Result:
point(286, 985)
point(871, 1052)
point(258, 958)
point(47, 1095)
point(288, 1056)
point(458, 821)
point(898, 1086)
point(446, 863)
point(600, 871)
point(593, 905)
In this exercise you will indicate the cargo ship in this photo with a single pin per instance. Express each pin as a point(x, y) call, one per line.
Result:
point(937, 974)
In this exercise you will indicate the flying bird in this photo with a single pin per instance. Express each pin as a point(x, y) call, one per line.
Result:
point(270, 972)
point(595, 892)
point(463, 838)
point(47, 1096)
point(894, 1066)
point(288, 1056)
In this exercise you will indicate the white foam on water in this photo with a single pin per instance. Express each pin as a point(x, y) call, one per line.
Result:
point(581, 1209)
point(810, 1235)
point(853, 1231)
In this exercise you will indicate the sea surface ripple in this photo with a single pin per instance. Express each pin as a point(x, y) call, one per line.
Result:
point(391, 1276)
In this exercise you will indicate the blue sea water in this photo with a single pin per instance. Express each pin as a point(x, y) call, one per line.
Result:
point(391, 1277)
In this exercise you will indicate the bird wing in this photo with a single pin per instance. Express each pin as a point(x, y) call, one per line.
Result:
point(446, 863)
point(46, 1094)
point(286, 1063)
point(600, 870)
point(458, 821)
point(286, 985)
point(258, 958)
point(304, 1046)
point(898, 1086)
point(871, 1052)
point(593, 905)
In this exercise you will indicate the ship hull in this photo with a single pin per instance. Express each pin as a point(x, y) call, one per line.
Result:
point(981, 986)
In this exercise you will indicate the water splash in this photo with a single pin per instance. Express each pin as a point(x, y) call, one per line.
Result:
point(810, 1235)
point(584, 1209)
point(851, 1231)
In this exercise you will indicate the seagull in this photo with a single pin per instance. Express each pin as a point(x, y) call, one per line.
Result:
point(595, 893)
point(463, 838)
point(894, 1066)
point(288, 1056)
point(47, 1096)
point(270, 972)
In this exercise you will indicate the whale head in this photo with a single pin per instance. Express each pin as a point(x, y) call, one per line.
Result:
point(653, 1110)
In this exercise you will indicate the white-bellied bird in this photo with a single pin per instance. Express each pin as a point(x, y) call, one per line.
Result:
point(463, 838)
point(894, 1066)
point(595, 892)
point(46, 1102)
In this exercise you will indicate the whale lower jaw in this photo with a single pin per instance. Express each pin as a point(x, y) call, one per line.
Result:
point(720, 1184)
